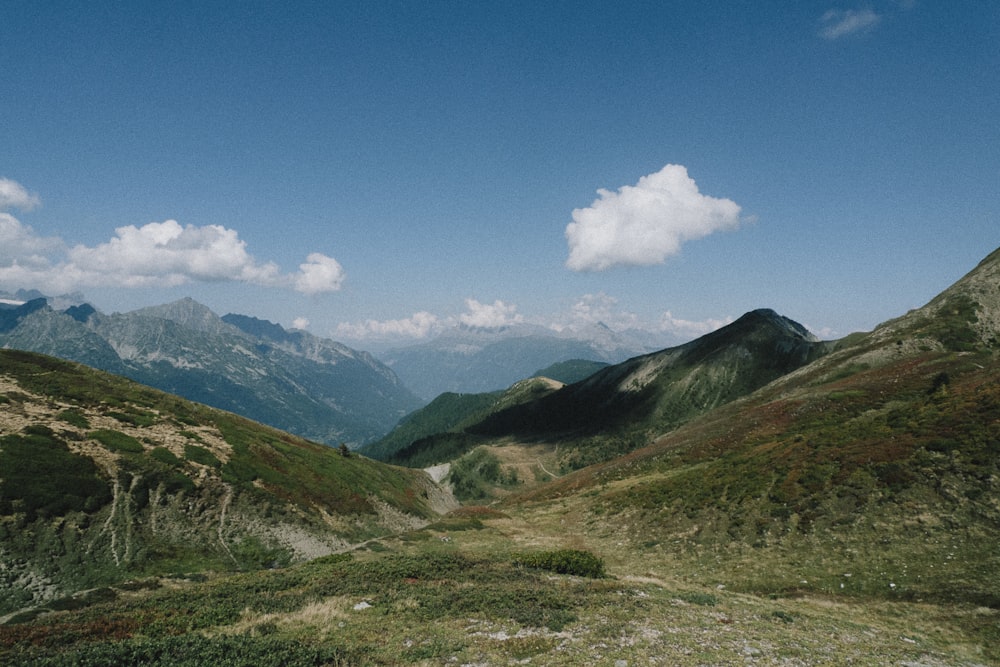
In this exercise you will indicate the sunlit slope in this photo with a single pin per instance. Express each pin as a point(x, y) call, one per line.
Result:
point(872, 470)
point(102, 479)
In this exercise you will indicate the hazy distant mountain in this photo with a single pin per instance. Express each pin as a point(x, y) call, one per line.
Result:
point(22, 296)
point(290, 380)
point(476, 360)
point(570, 371)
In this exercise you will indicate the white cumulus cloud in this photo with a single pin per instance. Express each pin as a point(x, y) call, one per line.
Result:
point(155, 254)
point(319, 274)
point(165, 253)
point(13, 195)
point(20, 245)
point(645, 223)
point(490, 315)
point(837, 23)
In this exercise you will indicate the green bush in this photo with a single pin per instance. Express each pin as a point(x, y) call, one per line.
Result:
point(473, 474)
point(192, 650)
point(164, 455)
point(116, 441)
point(74, 417)
point(201, 455)
point(135, 417)
point(564, 561)
point(703, 599)
point(42, 477)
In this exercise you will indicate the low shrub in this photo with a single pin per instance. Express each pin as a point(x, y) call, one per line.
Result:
point(164, 455)
point(190, 650)
point(116, 441)
point(42, 477)
point(564, 561)
point(74, 417)
point(201, 455)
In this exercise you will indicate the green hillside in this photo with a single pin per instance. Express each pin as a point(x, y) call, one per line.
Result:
point(844, 512)
point(441, 415)
point(104, 479)
point(870, 472)
point(619, 408)
point(437, 433)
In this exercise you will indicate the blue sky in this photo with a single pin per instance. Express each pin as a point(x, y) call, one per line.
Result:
point(382, 170)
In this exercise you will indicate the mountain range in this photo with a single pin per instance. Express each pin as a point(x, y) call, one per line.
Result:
point(618, 407)
point(291, 380)
point(755, 496)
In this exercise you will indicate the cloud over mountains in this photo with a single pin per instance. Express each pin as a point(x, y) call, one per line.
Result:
point(155, 254)
point(422, 324)
point(645, 223)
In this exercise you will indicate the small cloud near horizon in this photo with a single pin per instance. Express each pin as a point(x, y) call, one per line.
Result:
point(645, 223)
point(690, 328)
point(422, 324)
point(419, 325)
point(157, 254)
point(587, 311)
point(592, 309)
point(490, 315)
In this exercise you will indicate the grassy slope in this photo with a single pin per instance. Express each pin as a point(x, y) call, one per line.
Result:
point(571, 371)
point(453, 593)
point(621, 407)
point(105, 479)
point(709, 561)
point(847, 513)
point(441, 415)
point(436, 433)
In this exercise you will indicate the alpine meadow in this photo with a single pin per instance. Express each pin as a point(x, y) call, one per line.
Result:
point(754, 496)
point(442, 333)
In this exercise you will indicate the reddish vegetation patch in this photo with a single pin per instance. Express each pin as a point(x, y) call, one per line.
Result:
point(112, 629)
point(477, 512)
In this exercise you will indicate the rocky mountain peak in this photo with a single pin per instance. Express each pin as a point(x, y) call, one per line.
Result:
point(258, 327)
point(188, 313)
point(10, 317)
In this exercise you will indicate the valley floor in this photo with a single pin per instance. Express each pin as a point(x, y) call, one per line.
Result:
point(455, 594)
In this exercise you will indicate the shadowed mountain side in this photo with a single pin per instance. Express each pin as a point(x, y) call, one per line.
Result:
point(451, 413)
point(658, 391)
